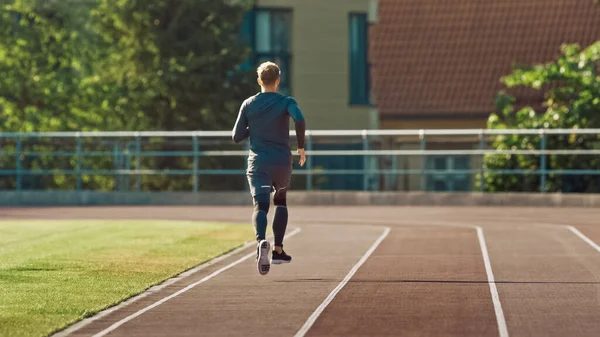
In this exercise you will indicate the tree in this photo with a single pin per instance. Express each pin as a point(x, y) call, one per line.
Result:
point(41, 53)
point(571, 87)
point(176, 57)
point(179, 60)
point(119, 65)
point(40, 56)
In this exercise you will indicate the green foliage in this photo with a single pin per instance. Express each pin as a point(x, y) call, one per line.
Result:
point(119, 65)
point(571, 85)
point(174, 59)
point(40, 81)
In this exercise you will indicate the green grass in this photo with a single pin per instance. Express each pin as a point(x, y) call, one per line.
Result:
point(53, 273)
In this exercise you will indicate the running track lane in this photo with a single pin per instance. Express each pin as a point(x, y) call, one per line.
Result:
point(548, 280)
point(240, 302)
point(421, 281)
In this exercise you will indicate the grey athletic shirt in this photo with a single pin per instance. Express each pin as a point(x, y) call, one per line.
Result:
point(264, 118)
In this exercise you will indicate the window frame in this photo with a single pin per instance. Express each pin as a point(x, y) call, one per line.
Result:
point(286, 56)
point(353, 100)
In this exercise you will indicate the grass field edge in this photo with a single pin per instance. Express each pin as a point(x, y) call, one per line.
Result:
point(88, 318)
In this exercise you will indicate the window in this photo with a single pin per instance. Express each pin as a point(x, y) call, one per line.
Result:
point(449, 181)
point(359, 66)
point(272, 41)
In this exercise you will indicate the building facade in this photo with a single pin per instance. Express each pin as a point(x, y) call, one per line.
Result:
point(322, 49)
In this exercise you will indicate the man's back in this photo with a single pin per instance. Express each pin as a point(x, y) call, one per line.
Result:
point(264, 118)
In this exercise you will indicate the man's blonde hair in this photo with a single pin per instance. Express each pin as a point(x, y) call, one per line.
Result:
point(268, 73)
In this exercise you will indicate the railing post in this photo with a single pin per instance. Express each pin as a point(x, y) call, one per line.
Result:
point(422, 148)
point(138, 162)
point(481, 168)
point(542, 161)
point(393, 177)
point(117, 166)
point(78, 162)
point(365, 160)
point(195, 149)
point(309, 168)
point(18, 163)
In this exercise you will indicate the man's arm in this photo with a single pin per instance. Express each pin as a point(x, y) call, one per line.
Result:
point(298, 118)
point(300, 126)
point(240, 129)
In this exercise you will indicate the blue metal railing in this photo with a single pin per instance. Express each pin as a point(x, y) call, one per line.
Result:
point(130, 149)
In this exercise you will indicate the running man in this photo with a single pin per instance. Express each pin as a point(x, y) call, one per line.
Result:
point(264, 118)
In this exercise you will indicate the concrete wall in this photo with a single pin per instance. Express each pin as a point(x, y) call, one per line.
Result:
point(71, 198)
point(320, 62)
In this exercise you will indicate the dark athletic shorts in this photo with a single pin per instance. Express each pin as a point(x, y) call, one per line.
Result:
point(264, 180)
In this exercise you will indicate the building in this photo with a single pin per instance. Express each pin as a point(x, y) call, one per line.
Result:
point(437, 65)
point(322, 49)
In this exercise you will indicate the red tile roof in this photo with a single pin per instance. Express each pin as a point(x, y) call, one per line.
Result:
point(432, 57)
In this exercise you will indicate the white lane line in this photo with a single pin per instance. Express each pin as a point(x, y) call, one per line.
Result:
point(157, 303)
point(584, 238)
point(502, 329)
point(311, 320)
point(77, 326)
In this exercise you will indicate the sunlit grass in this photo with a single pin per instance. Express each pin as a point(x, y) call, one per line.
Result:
point(53, 273)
